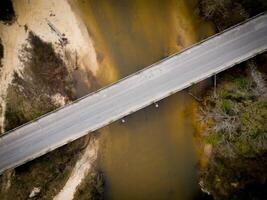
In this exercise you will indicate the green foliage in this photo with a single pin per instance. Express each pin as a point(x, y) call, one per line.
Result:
point(254, 118)
point(235, 96)
point(238, 89)
point(238, 134)
point(243, 83)
point(244, 148)
point(227, 106)
point(236, 101)
point(212, 139)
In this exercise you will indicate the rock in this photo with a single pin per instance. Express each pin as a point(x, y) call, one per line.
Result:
point(34, 192)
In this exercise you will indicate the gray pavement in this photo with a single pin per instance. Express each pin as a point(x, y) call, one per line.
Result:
point(133, 93)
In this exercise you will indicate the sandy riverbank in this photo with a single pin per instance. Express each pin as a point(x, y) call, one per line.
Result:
point(32, 15)
point(81, 169)
point(79, 55)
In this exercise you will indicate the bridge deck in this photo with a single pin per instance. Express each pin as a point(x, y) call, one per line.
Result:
point(133, 93)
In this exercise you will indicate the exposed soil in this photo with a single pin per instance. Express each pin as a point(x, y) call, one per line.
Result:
point(33, 86)
point(39, 75)
point(49, 172)
point(82, 167)
point(78, 55)
point(92, 186)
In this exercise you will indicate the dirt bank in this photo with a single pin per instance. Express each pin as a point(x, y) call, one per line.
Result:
point(81, 169)
point(80, 64)
point(33, 16)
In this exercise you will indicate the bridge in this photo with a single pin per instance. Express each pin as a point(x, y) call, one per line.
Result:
point(133, 93)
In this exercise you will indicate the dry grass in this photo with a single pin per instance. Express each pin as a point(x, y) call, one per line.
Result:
point(44, 75)
point(49, 172)
point(226, 13)
point(236, 128)
point(28, 97)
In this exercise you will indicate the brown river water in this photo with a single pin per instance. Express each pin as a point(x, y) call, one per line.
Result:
point(152, 155)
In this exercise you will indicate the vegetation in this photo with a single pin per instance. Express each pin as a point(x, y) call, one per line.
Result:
point(49, 172)
point(236, 128)
point(92, 187)
point(235, 119)
point(7, 13)
point(226, 13)
point(29, 96)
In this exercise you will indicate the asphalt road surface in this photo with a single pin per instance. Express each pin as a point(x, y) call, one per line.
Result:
point(133, 93)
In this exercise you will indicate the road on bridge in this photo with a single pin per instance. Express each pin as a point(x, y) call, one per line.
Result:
point(133, 93)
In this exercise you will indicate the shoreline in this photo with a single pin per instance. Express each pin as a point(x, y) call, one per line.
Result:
point(79, 56)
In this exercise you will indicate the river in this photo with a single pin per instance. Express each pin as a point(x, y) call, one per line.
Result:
point(152, 155)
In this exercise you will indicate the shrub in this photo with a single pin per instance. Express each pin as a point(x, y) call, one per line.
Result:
point(212, 139)
point(238, 134)
point(44, 74)
point(227, 106)
point(224, 13)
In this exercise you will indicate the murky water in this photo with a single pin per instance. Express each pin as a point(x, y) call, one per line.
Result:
point(151, 156)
